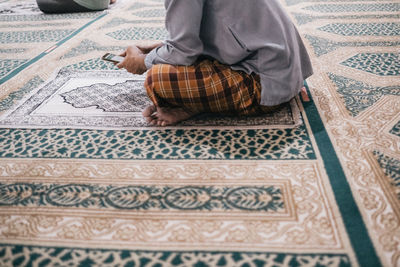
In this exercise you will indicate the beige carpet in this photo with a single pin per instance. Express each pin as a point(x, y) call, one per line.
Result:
point(84, 181)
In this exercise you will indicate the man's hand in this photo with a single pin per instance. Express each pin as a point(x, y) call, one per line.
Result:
point(134, 60)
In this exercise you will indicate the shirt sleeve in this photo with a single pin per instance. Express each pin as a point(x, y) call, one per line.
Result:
point(183, 21)
point(94, 4)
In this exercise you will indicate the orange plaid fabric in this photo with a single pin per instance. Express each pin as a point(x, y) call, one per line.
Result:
point(206, 86)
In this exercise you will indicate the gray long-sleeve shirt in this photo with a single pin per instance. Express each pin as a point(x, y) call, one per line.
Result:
point(250, 35)
point(93, 4)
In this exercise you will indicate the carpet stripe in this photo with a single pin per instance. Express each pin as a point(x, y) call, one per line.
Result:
point(352, 219)
point(47, 51)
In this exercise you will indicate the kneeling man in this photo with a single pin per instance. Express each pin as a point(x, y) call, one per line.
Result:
point(222, 56)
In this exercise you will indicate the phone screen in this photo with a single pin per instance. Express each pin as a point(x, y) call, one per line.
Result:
point(112, 58)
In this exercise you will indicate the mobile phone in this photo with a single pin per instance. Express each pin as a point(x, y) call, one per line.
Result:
point(112, 58)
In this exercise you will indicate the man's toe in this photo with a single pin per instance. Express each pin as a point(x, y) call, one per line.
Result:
point(149, 110)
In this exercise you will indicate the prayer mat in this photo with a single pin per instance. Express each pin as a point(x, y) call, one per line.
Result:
point(84, 181)
point(115, 100)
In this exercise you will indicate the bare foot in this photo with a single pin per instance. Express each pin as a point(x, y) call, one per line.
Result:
point(149, 113)
point(165, 116)
point(113, 1)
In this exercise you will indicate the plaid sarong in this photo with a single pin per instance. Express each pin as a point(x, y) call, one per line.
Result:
point(206, 86)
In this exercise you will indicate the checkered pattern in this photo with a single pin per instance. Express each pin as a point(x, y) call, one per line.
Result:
point(206, 86)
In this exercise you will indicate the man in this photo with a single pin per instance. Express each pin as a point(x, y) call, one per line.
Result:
point(69, 6)
point(222, 56)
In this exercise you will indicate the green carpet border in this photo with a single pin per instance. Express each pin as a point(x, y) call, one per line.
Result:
point(296, 259)
point(47, 51)
point(144, 146)
point(351, 216)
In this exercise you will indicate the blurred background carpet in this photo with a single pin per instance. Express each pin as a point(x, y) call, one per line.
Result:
point(84, 181)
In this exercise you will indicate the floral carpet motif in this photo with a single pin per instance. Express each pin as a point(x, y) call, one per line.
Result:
point(84, 181)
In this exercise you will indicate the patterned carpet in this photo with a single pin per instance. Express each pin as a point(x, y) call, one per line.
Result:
point(84, 181)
